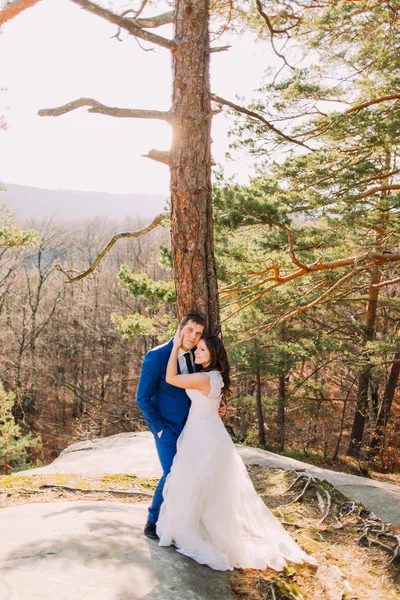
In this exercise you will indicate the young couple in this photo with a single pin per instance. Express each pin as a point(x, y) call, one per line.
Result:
point(205, 503)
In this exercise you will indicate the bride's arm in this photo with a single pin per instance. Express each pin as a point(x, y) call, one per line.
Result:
point(194, 381)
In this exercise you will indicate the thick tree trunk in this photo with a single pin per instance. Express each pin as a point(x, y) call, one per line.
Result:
point(190, 166)
point(260, 416)
point(360, 415)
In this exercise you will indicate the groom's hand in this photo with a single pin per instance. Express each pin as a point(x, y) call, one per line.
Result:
point(222, 409)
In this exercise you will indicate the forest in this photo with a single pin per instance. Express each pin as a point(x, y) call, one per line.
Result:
point(306, 260)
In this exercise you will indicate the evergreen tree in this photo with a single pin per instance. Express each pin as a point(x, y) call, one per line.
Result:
point(13, 445)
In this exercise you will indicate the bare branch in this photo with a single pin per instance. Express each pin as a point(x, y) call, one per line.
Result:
point(259, 117)
point(125, 23)
point(219, 49)
point(12, 9)
point(125, 234)
point(273, 31)
point(387, 282)
point(97, 107)
point(359, 107)
point(141, 8)
point(153, 22)
point(162, 156)
point(268, 23)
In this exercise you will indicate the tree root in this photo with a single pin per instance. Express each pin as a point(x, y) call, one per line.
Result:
point(374, 532)
point(311, 482)
point(367, 540)
point(328, 504)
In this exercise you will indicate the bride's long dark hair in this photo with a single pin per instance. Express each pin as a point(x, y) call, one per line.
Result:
point(218, 361)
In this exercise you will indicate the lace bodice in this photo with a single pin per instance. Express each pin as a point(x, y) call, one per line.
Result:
point(203, 406)
point(216, 383)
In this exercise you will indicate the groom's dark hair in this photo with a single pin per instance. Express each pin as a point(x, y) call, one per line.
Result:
point(195, 317)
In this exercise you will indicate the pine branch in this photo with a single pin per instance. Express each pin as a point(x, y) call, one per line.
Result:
point(323, 296)
point(359, 107)
point(277, 279)
point(371, 192)
point(258, 117)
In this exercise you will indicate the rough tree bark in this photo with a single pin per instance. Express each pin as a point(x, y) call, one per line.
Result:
point(190, 165)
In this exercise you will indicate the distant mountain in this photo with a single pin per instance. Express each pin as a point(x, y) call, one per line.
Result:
point(38, 203)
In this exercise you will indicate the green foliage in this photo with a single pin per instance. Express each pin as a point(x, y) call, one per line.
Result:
point(134, 325)
point(165, 256)
point(243, 205)
point(11, 235)
point(141, 285)
point(13, 445)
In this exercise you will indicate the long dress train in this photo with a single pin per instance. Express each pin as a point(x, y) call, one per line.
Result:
point(211, 511)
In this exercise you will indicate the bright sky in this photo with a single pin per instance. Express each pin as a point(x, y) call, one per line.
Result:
point(56, 52)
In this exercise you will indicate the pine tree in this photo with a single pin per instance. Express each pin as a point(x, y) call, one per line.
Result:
point(13, 445)
point(11, 235)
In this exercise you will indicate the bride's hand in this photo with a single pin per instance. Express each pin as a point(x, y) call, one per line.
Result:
point(178, 338)
point(222, 408)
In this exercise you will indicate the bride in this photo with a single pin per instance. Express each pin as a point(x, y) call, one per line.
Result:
point(211, 511)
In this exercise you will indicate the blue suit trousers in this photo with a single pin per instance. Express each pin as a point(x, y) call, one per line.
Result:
point(166, 448)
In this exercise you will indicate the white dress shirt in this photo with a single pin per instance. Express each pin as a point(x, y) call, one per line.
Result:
point(182, 361)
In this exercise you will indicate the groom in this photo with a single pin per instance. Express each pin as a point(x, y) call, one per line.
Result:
point(166, 407)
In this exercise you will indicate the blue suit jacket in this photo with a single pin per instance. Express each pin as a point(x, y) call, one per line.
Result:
point(163, 405)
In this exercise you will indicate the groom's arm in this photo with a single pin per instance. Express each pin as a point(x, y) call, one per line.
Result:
point(148, 382)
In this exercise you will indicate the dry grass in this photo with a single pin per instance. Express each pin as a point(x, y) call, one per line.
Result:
point(346, 568)
point(23, 489)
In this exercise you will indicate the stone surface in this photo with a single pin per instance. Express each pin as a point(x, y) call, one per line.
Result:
point(121, 453)
point(134, 453)
point(95, 551)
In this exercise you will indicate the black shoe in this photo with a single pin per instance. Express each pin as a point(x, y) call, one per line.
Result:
point(150, 531)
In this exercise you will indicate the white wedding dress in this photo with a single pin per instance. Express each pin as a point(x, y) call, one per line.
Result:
point(211, 511)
